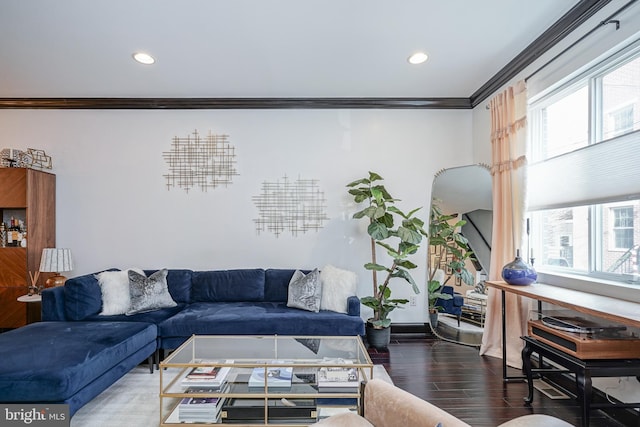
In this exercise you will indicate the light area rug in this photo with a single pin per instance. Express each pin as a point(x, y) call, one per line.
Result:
point(134, 401)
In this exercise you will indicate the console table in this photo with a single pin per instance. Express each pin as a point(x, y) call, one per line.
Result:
point(613, 309)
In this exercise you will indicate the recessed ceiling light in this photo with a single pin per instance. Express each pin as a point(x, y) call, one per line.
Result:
point(144, 58)
point(417, 58)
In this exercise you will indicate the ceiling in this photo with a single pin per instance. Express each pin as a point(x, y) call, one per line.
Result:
point(263, 48)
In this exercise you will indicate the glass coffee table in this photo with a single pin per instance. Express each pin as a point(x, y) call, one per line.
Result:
point(262, 380)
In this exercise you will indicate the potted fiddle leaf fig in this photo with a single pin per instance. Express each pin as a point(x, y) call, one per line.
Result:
point(397, 233)
point(452, 247)
point(435, 293)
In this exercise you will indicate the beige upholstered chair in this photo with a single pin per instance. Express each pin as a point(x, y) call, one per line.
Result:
point(388, 406)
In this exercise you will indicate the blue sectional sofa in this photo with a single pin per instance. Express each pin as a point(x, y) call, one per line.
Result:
point(75, 352)
point(215, 302)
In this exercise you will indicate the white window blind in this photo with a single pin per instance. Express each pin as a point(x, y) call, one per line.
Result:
point(605, 172)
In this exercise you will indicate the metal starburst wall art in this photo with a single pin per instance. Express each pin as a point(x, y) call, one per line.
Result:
point(205, 162)
point(296, 207)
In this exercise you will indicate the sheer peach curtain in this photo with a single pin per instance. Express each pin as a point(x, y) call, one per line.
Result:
point(508, 169)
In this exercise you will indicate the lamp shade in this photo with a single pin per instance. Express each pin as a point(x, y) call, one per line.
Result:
point(56, 260)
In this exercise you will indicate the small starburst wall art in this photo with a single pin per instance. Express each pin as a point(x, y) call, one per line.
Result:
point(204, 162)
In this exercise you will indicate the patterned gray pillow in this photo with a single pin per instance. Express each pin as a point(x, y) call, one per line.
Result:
point(305, 291)
point(149, 293)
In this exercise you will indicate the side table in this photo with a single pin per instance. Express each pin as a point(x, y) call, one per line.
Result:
point(34, 307)
point(475, 306)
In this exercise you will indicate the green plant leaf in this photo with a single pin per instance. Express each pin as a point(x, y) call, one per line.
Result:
point(379, 212)
point(370, 211)
point(407, 264)
point(377, 194)
point(396, 211)
point(407, 235)
point(360, 214)
point(387, 220)
point(376, 267)
point(374, 177)
point(359, 182)
point(408, 248)
point(378, 231)
point(383, 323)
point(411, 213)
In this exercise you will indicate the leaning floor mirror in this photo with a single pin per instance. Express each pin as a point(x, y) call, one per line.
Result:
point(461, 207)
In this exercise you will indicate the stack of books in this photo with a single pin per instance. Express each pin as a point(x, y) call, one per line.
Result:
point(213, 377)
point(338, 379)
point(199, 409)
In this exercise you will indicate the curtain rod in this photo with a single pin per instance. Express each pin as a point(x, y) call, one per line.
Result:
point(603, 23)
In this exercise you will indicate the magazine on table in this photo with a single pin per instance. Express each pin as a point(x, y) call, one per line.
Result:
point(276, 376)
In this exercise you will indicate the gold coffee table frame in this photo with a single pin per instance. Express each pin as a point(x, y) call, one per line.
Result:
point(242, 354)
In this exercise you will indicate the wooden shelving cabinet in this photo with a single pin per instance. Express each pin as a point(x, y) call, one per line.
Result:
point(29, 195)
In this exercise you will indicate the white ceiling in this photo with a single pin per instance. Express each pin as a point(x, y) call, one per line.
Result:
point(262, 48)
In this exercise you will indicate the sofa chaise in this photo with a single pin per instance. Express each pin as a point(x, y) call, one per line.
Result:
point(70, 362)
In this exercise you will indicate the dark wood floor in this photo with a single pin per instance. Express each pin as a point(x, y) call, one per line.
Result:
point(458, 380)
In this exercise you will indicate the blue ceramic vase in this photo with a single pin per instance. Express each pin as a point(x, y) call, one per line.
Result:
point(518, 272)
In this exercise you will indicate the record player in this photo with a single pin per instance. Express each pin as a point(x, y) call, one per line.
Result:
point(583, 336)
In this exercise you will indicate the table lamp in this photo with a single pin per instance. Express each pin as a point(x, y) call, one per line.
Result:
point(55, 260)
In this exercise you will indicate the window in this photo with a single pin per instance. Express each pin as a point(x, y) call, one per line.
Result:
point(584, 182)
point(619, 89)
point(620, 121)
point(622, 227)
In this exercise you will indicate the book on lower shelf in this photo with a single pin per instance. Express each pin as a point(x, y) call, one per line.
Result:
point(276, 376)
point(338, 379)
point(200, 409)
point(207, 376)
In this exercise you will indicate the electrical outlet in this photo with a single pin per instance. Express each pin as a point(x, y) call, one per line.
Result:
point(413, 301)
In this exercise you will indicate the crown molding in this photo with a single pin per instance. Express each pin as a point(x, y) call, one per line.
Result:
point(233, 103)
point(582, 11)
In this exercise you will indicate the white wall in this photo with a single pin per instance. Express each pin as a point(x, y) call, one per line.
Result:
point(114, 210)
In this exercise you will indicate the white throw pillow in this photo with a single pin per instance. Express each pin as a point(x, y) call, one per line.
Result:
point(114, 286)
point(337, 286)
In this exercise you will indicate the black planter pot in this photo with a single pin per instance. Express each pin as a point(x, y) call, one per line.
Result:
point(378, 338)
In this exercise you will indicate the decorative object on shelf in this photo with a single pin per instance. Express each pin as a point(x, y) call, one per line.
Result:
point(39, 159)
point(3, 235)
point(32, 158)
point(34, 289)
point(297, 206)
point(200, 162)
point(56, 260)
point(518, 272)
point(12, 158)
